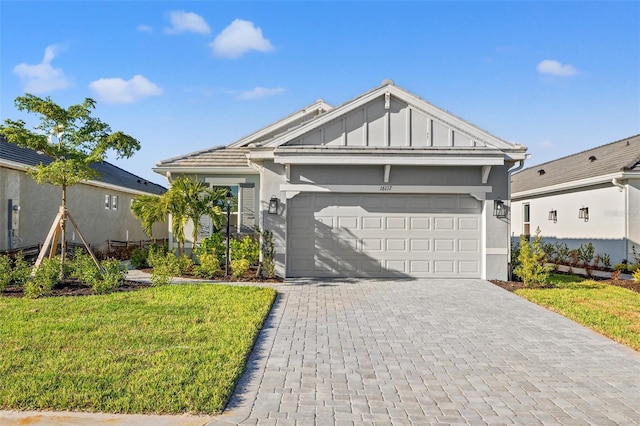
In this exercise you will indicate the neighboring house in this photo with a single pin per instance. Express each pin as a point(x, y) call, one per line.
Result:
point(592, 196)
point(101, 208)
point(384, 185)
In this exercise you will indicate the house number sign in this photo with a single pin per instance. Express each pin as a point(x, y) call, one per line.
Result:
point(385, 188)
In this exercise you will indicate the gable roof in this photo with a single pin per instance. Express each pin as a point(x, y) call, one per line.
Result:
point(21, 158)
point(388, 88)
point(615, 157)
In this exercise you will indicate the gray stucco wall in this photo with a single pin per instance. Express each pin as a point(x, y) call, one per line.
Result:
point(39, 205)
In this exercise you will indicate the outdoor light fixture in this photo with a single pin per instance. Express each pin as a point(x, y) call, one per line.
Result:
point(273, 205)
point(499, 208)
point(584, 214)
point(228, 199)
point(553, 215)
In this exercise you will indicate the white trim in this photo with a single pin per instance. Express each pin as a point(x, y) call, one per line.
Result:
point(476, 191)
point(389, 159)
point(573, 185)
point(208, 170)
point(498, 250)
point(224, 181)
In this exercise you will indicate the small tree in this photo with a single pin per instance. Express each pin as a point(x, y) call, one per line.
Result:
point(74, 141)
point(531, 268)
point(185, 200)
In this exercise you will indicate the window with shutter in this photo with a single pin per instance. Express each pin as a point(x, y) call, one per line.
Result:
point(248, 205)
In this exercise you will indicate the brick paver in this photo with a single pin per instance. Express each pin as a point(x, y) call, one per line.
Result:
point(429, 352)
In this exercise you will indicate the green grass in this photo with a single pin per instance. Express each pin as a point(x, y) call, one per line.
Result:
point(610, 310)
point(171, 349)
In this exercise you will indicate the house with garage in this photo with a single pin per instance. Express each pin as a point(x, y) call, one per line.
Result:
point(592, 196)
point(101, 208)
point(384, 185)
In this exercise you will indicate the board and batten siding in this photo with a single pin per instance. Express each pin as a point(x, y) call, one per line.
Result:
point(398, 125)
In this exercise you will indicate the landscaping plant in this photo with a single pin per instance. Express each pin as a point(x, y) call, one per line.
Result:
point(139, 258)
point(5, 272)
point(246, 248)
point(21, 270)
point(45, 278)
point(209, 265)
point(531, 268)
point(239, 267)
point(268, 254)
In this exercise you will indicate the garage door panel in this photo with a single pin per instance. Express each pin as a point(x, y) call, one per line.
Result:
point(420, 245)
point(444, 223)
point(384, 235)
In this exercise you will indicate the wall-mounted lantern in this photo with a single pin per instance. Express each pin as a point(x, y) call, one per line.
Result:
point(273, 205)
point(553, 215)
point(583, 213)
point(499, 208)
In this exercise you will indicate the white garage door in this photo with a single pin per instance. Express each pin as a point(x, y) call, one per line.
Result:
point(372, 235)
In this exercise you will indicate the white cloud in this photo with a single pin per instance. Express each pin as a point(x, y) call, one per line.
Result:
point(42, 77)
point(183, 22)
point(144, 28)
point(550, 66)
point(119, 91)
point(238, 38)
point(259, 93)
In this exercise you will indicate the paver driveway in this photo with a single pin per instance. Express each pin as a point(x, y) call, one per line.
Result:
point(429, 351)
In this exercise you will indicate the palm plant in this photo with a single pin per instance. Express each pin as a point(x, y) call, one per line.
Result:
point(186, 200)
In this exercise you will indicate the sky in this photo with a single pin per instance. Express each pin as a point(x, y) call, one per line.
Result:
point(558, 77)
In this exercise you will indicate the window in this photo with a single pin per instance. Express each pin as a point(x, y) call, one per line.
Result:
point(114, 202)
point(107, 202)
point(526, 219)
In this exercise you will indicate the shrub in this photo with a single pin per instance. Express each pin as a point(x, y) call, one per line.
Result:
point(531, 268)
point(5, 272)
point(184, 264)
point(110, 278)
point(268, 254)
point(164, 268)
point(21, 271)
point(621, 267)
point(549, 250)
point(239, 267)
point(215, 244)
point(139, 258)
point(209, 265)
point(155, 255)
point(245, 249)
point(562, 252)
point(83, 268)
point(585, 254)
point(45, 278)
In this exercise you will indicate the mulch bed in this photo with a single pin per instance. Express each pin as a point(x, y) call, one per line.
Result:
point(78, 288)
point(515, 285)
point(73, 288)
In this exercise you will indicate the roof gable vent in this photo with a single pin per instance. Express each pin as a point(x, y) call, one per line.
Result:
point(592, 158)
point(541, 172)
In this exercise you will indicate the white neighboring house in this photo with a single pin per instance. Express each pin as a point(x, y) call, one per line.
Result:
point(592, 196)
point(384, 185)
point(100, 207)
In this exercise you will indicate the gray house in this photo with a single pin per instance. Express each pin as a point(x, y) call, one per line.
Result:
point(384, 185)
point(589, 197)
point(100, 207)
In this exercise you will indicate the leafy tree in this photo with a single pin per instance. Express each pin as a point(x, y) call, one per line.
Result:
point(72, 138)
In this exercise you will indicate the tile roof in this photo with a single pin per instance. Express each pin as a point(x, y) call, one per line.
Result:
point(614, 157)
point(213, 157)
point(109, 173)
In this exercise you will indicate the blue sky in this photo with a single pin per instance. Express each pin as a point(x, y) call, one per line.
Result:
point(558, 77)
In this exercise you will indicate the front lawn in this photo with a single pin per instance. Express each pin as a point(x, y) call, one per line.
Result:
point(171, 349)
point(608, 309)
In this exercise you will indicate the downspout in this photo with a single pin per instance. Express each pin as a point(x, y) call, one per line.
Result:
point(623, 187)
